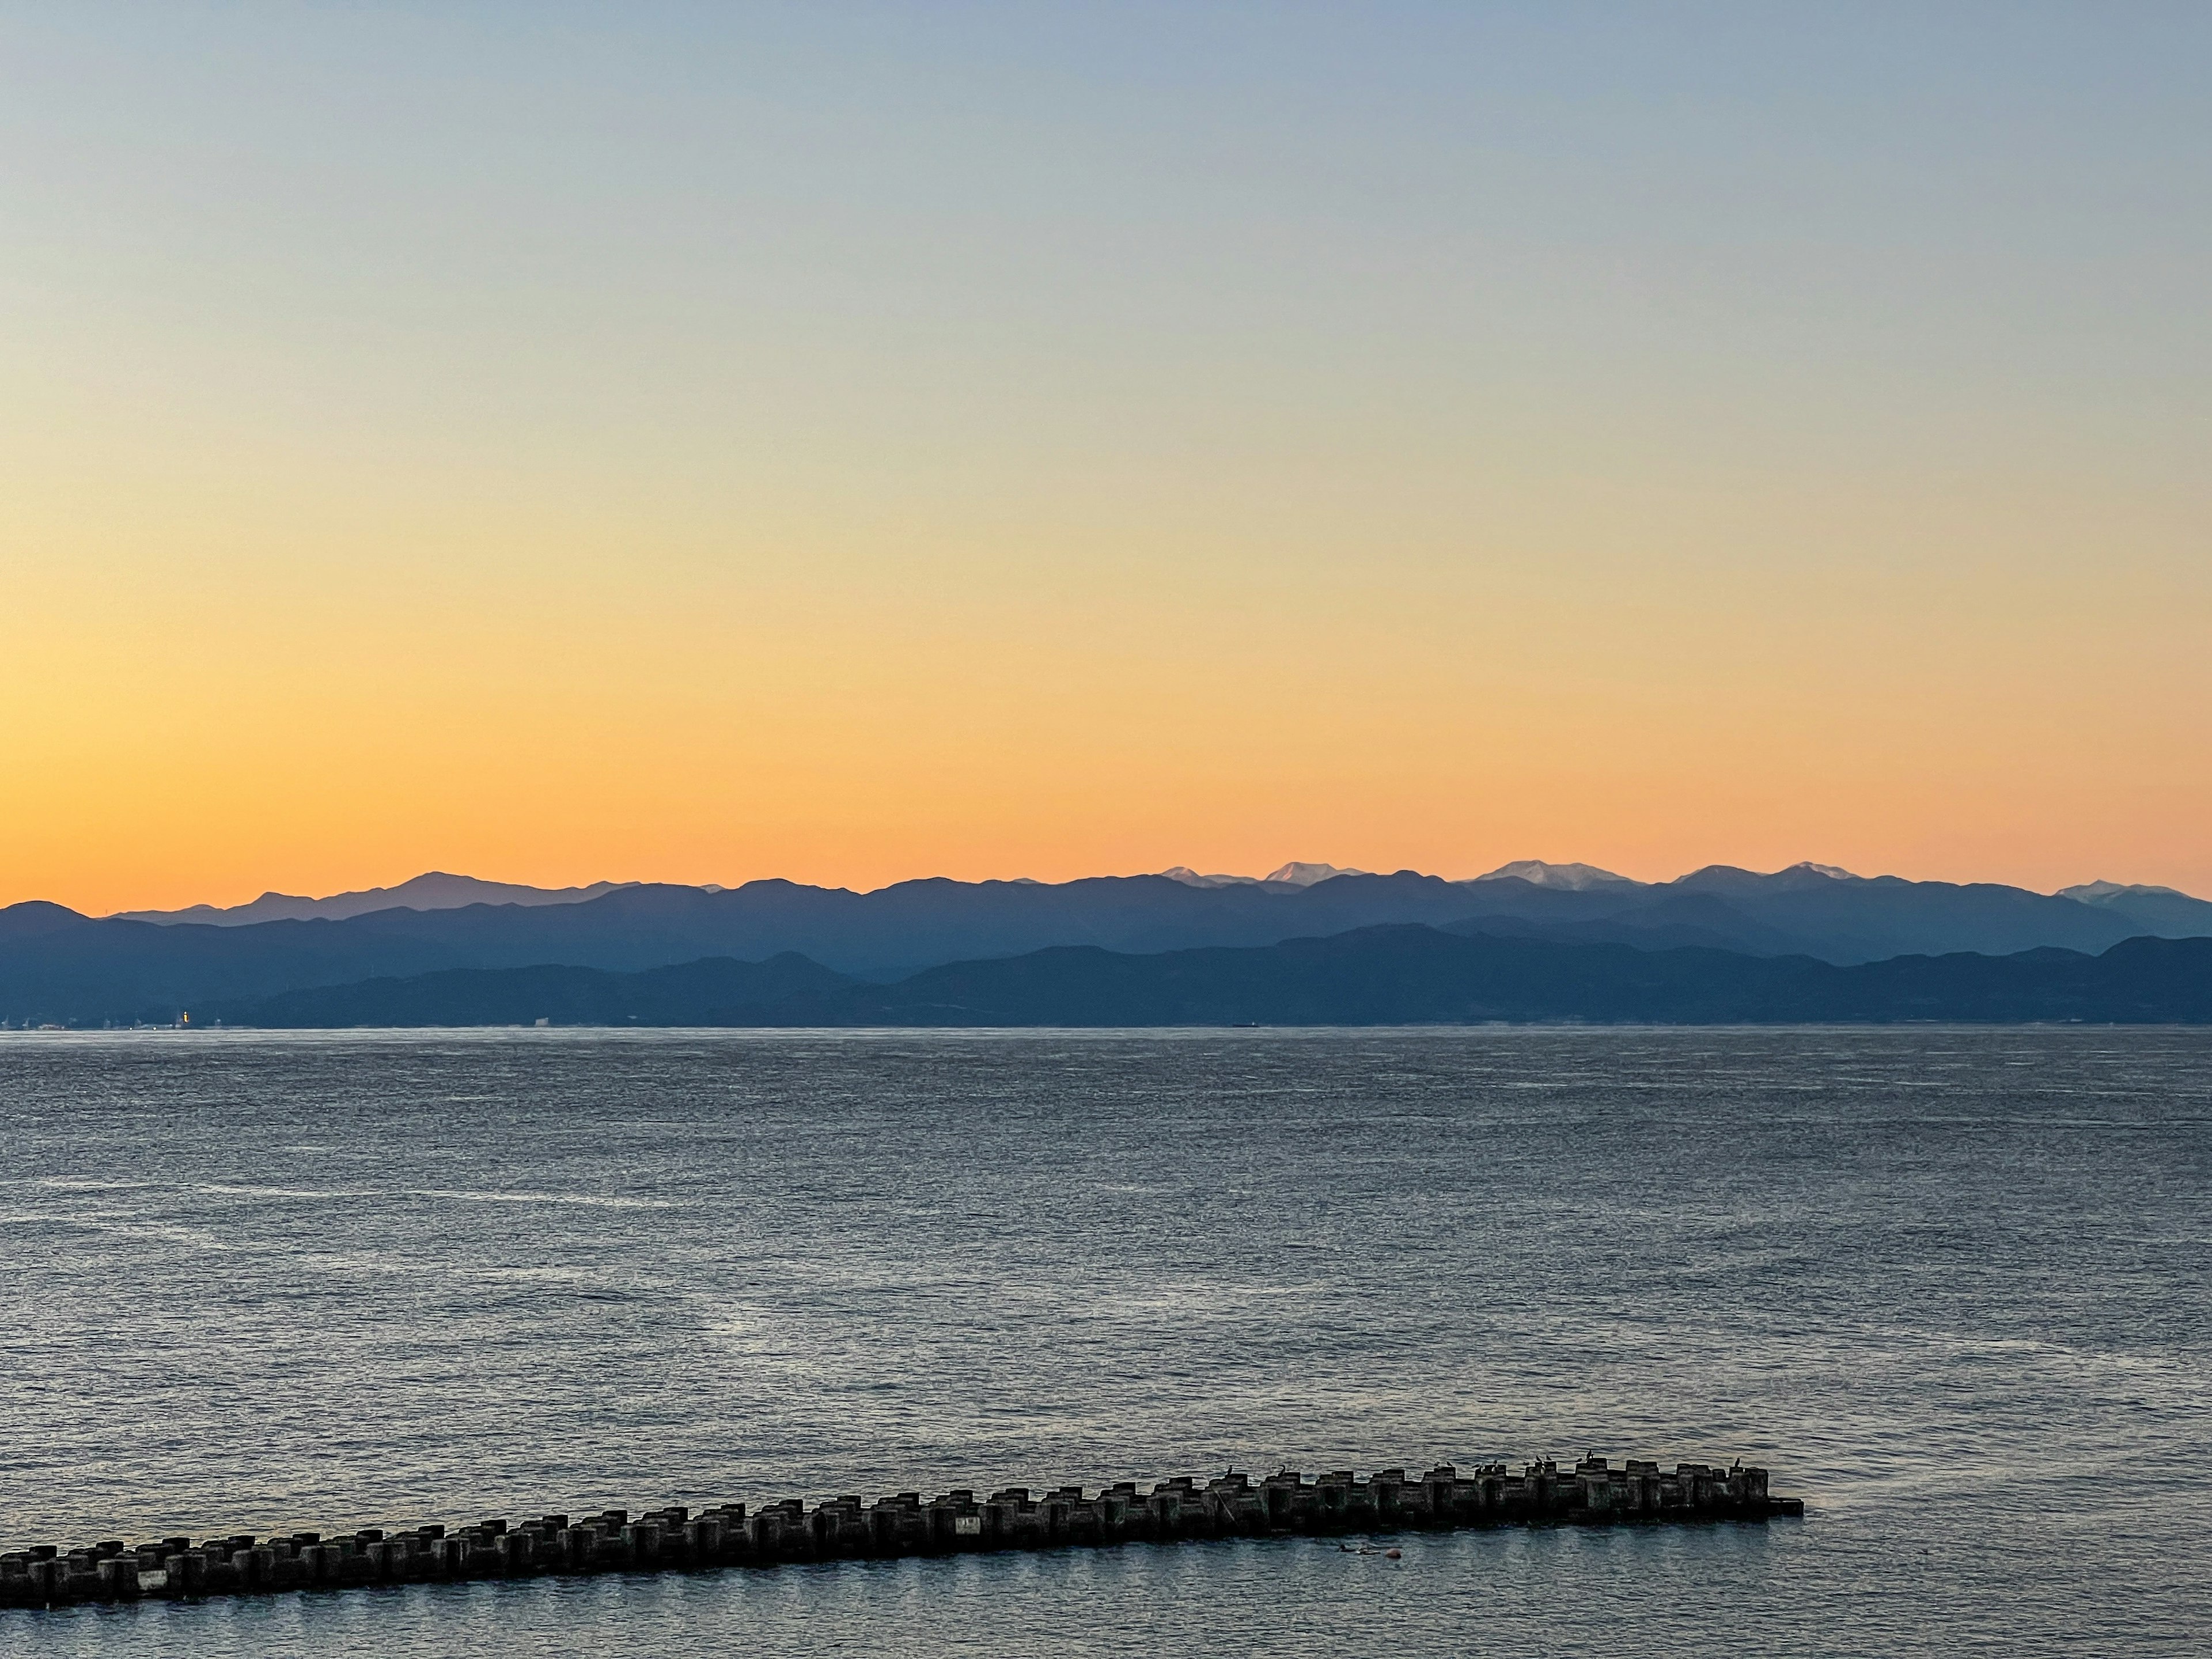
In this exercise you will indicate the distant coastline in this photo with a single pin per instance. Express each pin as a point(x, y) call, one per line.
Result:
point(1308, 944)
point(1398, 976)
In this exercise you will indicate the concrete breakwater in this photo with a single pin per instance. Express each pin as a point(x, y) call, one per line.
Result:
point(1587, 1493)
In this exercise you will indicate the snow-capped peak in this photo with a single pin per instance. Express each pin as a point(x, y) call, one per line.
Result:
point(1574, 877)
point(1307, 875)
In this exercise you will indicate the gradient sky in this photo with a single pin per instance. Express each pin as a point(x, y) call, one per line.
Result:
point(850, 442)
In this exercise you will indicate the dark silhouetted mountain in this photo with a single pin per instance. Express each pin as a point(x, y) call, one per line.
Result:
point(1665, 919)
point(1414, 975)
point(21, 924)
point(1404, 975)
point(2158, 910)
point(74, 968)
point(785, 990)
point(1867, 919)
point(436, 890)
point(56, 965)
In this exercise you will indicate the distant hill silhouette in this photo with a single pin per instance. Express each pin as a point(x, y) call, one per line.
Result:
point(2158, 910)
point(786, 990)
point(436, 890)
point(1402, 975)
point(60, 966)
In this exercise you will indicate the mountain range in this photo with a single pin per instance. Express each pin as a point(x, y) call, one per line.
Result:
point(58, 966)
point(1388, 976)
point(433, 891)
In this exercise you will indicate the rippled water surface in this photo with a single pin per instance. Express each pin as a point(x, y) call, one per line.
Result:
point(1950, 1286)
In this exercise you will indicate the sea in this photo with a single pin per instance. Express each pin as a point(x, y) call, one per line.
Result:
point(1952, 1286)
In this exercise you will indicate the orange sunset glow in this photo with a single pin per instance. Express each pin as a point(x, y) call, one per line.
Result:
point(662, 485)
point(1095, 826)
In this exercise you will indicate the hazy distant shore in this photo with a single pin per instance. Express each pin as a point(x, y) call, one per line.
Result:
point(1393, 975)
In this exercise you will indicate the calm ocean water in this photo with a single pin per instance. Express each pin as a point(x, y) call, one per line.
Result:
point(1950, 1286)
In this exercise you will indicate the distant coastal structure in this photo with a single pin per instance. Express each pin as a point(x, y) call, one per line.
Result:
point(1591, 1493)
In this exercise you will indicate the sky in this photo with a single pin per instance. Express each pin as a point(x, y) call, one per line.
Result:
point(853, 442)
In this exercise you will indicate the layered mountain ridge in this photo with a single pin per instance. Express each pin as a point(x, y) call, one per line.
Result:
point(58, 966)
point(1387, 975)
point(433, 889)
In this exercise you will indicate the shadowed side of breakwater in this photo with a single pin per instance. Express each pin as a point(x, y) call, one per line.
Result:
point(1590, 1492)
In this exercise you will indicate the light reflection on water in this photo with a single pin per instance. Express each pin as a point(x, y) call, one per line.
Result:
point(1950, 1285)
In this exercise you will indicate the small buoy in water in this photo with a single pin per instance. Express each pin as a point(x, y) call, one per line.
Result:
point(1392, 1555)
